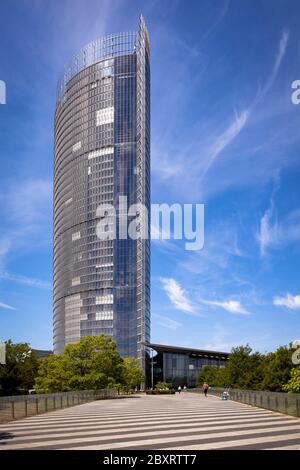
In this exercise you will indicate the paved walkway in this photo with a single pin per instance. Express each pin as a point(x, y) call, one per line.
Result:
point(187, 421)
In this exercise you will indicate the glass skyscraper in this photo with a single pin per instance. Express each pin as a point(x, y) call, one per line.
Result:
point(102, 152)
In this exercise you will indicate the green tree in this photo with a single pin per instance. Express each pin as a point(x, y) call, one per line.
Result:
point(213, 375)
point(243, 368)
point(52, 375)
point(293, 384)
point(19, 372)
point(276, 369)
point(133, 375)
point(92, 363)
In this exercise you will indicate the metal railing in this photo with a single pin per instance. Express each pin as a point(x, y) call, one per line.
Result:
point(21, 406)
point(287, 403)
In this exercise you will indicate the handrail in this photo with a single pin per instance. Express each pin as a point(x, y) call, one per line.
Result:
point(21, 406)
point(287, 403)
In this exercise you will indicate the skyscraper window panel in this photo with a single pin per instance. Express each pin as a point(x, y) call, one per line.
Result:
point(99, 153)
point(76, 281)
point(109, 315)
point(77, 146)
point(105, 116)
point(76, 236)
point(104, 299)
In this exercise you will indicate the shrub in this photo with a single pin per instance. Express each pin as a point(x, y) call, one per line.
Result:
point(160, 392)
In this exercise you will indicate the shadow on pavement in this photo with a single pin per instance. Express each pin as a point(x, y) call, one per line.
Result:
point(126, 396)
point(5, 435)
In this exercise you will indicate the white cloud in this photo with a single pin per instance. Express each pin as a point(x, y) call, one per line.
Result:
point(217, 263)
point(5, 306)
point(274, 233)
point(166, 322)
point(289, 301)
point(218, 19)
point(28, 281)
point(218, 340)
point(209, 139)
point(280, 54)
point(30, 202)
point(5, 246)
point(177, 295)
point(268, 232)
point(231, 306)
point(225, 139)
point(241, 120)
point(26, 211)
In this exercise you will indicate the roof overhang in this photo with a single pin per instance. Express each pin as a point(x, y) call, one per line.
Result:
point(191, 351)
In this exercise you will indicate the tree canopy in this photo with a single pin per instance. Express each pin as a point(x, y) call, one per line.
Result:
point(132, 373)
point(250, 370)
point(212, 375)
point(92, 363)
point(277, 368)
point(293, 384)
point(18, 374)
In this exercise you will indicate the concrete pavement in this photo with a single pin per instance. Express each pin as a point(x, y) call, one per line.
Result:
point(186, 422)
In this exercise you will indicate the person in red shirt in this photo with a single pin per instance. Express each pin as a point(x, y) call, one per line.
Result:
point(205, 388)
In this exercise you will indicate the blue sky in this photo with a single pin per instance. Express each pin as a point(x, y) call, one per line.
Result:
point(224, 133)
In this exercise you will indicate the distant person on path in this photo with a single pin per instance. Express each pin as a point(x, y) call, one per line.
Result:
point(184, 388)
point(179, 389)
point(205, 388)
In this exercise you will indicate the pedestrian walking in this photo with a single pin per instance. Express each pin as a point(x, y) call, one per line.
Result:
point(184, 388)
point(179, 389)
point(205, 388)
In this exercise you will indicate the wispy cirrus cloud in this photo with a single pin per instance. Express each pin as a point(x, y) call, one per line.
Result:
point(283, 42)
point(26, 210)
point(178, 296)
point(166, 322)
point(274, 232)
point(214, 264)
point(219, 339)
point(225, 139)
point(234, 128)
point(30, 202)
point(289, 301)
point(6, 307)
point(268, 231)
point(208, 142)
point(5, 246)
point(218, 19)
point(231, 306)
point(25, 280)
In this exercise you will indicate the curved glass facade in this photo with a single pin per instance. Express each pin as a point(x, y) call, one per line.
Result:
point(102, 152)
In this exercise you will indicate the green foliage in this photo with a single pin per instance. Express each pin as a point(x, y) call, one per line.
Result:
point(132, 373)
point(293, 384)
point(52, 376)
point(21, 366)
point(245, 369)
point(213, 375)
point(90, 364)
point(163, 386)
point(277, 369)
point(160, 392)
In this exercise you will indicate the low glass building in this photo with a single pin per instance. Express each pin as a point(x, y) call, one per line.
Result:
point(180, 366)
